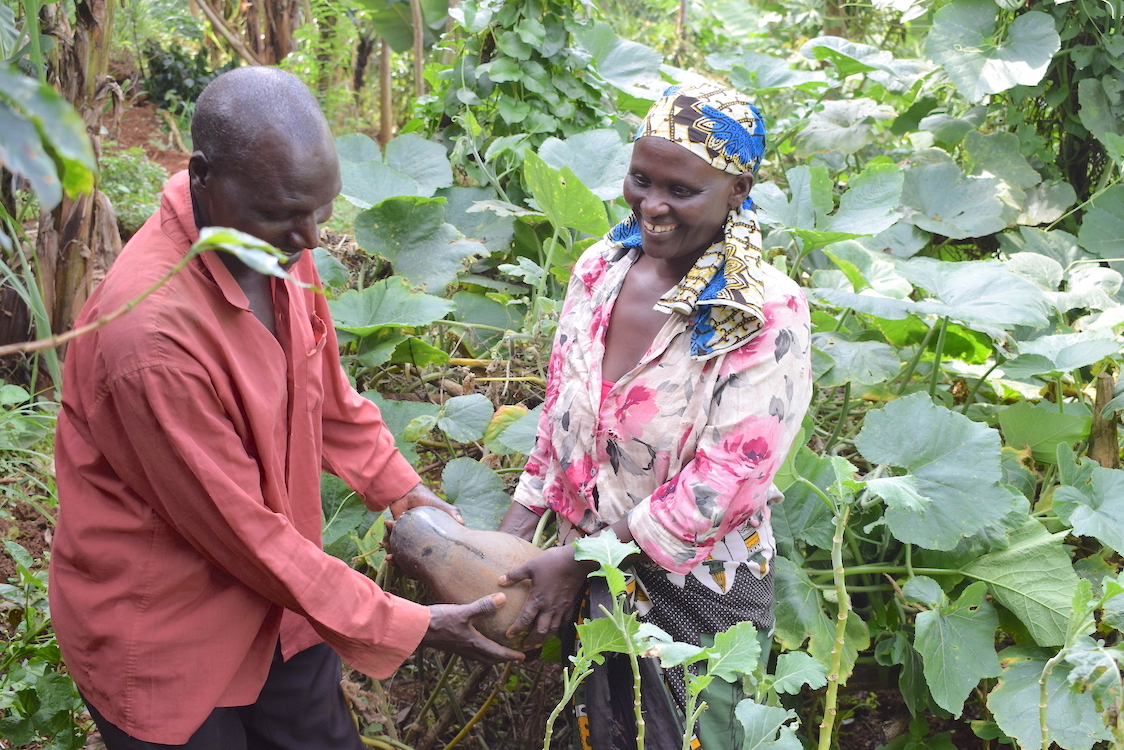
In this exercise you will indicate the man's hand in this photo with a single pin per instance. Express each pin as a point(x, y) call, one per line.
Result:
point(556, 581)
point(451, 629)
point(421, 495)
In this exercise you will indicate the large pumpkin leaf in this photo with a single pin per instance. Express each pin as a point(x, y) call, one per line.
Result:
point(941, 199)
point(412, 234)
point(956, 642)
point(1094, 504)
point(1056, 244)
point(1102, 231)
point(842, 124)
point(1101, 107)
point(956, 462)
point(490, 228)
point(397, 415)
point(477, 491)
point(423, 161)
point(22, 153)
point(1033, 578)
point(563, 198)
point(1070, 351)
point(998, 155)
point(597, 157)
point(1072, 718)
point(766, 727)
point(345, 517)
point(850, 57)
point(861, 362)
point(961, 42)
point(464, 418)
point(1042, 429)
point(977, 292)
point(384, 304)
point(759, 72)
point(369, 183)
point(803, 515)
point(411, 166)
point(629, 66)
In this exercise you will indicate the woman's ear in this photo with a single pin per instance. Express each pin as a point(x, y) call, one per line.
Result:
point(740, 188)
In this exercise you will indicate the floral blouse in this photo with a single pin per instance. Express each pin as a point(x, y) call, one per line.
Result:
point(685, 446)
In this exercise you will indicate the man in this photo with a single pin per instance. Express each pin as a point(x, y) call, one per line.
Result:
point(192, 600)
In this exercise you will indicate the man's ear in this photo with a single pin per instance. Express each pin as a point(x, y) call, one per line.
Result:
point(739, 191)
point(198, 169)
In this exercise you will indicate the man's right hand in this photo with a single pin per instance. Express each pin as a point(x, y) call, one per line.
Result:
point(451, 629)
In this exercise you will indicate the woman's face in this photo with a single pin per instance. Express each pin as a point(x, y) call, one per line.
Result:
point(680, 201)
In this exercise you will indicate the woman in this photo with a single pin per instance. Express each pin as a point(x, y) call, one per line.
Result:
point(701, 352)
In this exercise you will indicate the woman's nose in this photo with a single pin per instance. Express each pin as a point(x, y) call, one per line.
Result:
point(653, 204)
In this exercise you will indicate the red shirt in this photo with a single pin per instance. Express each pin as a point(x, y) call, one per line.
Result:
point(188, 458)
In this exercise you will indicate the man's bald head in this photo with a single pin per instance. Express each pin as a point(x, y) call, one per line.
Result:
point(241, 106)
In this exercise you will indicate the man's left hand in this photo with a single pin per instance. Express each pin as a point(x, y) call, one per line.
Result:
point(421, 495)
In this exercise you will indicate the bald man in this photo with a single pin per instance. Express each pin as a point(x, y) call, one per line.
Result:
point(190, 594)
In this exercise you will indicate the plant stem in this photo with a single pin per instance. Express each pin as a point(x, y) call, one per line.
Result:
point(842, 418)
point(976, 388)
point(1043, 697)
point(479, 714)
point(937, 359)
point(844, 602)
point(908, 373)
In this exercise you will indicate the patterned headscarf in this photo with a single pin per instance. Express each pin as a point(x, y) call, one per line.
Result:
point(723, 290)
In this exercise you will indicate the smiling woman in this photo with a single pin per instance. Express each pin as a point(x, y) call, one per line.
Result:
point(701, 351)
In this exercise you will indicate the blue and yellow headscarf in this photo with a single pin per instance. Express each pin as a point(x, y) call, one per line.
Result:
point(723, 291)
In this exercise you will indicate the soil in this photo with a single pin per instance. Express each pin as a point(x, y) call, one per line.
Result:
point(29, 528)
point(145, 127)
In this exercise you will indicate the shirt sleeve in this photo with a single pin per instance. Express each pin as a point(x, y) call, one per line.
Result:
point(755, 411)
point(530, 491)
point(197, 473)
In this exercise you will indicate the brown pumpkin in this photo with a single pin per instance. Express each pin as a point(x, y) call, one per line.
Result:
point(460, 565)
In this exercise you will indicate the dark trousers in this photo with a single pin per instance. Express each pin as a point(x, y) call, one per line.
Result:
point(301, 707)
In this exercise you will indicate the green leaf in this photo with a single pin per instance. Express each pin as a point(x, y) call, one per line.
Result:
point(977, 292)
point(876, 271)
point(369, 183)
point(861, 362)
point(474, 307)
point(998, 155)
point(735, 652)
point(899, 493)
point(597, 157)
point(464, 418)
point(795, 669)
point(850, 58)
point(487, 227)
point(477, 491)
point(870, 203)
point(256, 254)
point(925, 590)
point(842, 124)
point(398, 415)
point(800, 616)
point(1095, 670)
point(658, 644)
point(1047, 202)
point(519, 437)
point(1033, 578)
point(956, 643)
point(22, 153)
point(601, 636)
point(811, 198)
point(628, 66)
point(961, 42)
point(412, 234)
point(345, 516)
point(386, 304)
point(61, 129)
point(1071, 717)
point(563, 198)
point(760, 73)
point(605, 548)
point(422, 160)
point(329, 268)
point(1094, 506)
point(1042, 271)
point(1056, 244)
point(1071, 351)
point(941, 199)
point(766, 727)
point(418, 353)
point(357, 148)
point(956, 462)
point(1095, 98)
point(1102, 230)
point(1027, 425)
point(804, 515)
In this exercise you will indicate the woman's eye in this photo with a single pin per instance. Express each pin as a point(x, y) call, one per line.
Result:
point(681, 192)
point(640, 180)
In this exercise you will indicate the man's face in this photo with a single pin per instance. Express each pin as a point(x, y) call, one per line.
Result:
point(280, 192)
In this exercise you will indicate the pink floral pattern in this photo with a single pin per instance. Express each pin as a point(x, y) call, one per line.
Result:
point(686, 447)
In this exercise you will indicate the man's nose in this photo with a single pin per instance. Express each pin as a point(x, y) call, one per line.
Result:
point(305, 233)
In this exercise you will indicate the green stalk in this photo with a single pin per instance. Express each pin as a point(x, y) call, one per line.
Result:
point(976, 388)
point(844, 601)
point(842, 418)
point(1043, 697)
point(908, 373)
point(1061, 394)
point(937, 359)
point(31, 24)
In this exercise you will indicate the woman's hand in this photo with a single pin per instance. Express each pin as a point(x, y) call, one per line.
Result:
point(556, 581)
point(520, 521)
point(451, 629)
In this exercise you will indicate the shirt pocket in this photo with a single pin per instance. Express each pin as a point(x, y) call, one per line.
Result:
point(314, 363)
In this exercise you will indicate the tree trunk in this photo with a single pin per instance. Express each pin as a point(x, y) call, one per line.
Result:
point(1104, 445)
point(81, 231)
